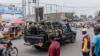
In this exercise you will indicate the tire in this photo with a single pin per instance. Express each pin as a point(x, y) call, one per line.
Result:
point(61, 39)
point(13, 51)
point(73, 38)
point(38, 48)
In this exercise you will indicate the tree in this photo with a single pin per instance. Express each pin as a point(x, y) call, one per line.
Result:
point(69, 15)
point(76, 16)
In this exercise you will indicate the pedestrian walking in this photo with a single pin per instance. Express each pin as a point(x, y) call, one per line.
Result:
point(96, 41)
point(85, 43)
point(54, 48)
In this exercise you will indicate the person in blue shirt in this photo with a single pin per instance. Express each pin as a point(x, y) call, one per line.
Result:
point(96, 41)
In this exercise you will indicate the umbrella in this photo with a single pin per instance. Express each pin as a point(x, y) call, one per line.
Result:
point(18, 22)
point(8, 24)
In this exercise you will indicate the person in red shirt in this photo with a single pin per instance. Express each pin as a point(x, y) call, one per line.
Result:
point(54, 48)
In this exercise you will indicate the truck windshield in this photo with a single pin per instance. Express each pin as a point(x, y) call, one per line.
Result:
point(66, 28)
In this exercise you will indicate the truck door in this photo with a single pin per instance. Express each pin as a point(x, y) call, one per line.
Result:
point(66, 32)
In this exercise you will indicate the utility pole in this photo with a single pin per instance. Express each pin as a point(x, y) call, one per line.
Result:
point(38, 10)
point(29, 9)
point(24, 9)
point(56, 12)
point(32, 10)
point(50, 8)
point(46, 8)
point(35, 3)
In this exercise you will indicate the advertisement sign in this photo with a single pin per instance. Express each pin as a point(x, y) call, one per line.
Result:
point(10, 10)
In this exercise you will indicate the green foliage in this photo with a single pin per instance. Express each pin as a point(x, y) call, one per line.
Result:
point(71, 16)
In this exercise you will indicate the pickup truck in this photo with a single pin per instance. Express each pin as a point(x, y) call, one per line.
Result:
point(38, 38)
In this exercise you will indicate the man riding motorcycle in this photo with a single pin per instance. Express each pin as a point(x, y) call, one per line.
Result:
point(2, 46)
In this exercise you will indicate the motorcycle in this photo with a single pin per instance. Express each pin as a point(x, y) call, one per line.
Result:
point(11, 50)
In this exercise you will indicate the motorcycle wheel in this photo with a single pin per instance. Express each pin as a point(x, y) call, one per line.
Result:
point(13, 51)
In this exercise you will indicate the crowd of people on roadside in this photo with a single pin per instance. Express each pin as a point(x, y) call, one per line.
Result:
point(88, 45)
point(93, 45)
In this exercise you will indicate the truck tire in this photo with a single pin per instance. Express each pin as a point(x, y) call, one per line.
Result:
point(73, 38)
point(38, 48)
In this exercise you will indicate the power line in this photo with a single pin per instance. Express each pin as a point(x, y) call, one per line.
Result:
point(75, 8)
point(70, 6)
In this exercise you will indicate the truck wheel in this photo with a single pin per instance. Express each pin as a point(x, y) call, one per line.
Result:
point(61, 39)
point(73, 38)
point(20, 36)
point(38, 48)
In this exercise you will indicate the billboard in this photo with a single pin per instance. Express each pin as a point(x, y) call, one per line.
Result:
point(10, 10)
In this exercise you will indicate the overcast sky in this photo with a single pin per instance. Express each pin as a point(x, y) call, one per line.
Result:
point(93, 4)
